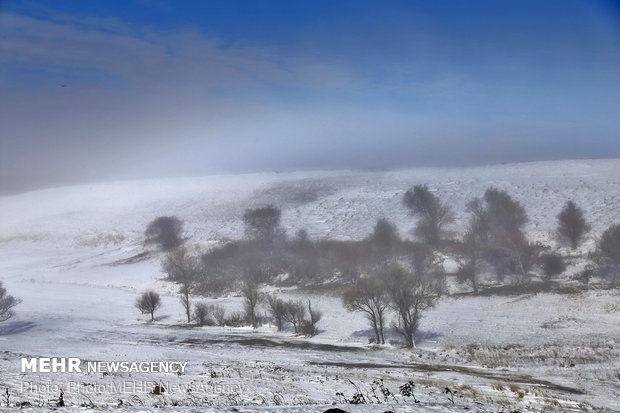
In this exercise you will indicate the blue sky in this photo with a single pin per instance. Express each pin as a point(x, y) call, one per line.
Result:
point(94, 90)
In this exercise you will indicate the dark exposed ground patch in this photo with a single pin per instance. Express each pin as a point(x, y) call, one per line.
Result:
point(15, 327)
point(264, 342)
point(510, 378)
point(552, 287)
point(143, 256)
point(294, 193)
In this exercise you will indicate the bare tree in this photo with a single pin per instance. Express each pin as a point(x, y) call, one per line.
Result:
point(368, 295)
point(572, 225)
point(432, 215)
point(473, 245)
point(7, 303)
point(148, 303)
point(184, 269)
point(262, 224)
point(277, 310)
point(165, 232)
point(410, 296)
point(295, 314)
point(252, 297)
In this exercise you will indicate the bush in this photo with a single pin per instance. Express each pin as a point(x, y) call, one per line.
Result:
point(277, 310)
point(552, 264)
point(308, 326)
point(608, 251)
point(295, 314)
point(467, 272)
point(572, 226)
point(219, 315)
point(235, 319)
point(165, 232)
point(262, 224)
point(384, 239)
point(202, 314)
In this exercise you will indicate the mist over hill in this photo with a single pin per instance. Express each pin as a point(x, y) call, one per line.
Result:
point(340, 205)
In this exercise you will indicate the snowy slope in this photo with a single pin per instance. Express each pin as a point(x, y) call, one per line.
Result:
point(527, 353)
point(334, 204)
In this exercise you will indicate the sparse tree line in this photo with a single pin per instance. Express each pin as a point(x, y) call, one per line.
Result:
point(493, 242)
point(300, 315)
point(381, 274)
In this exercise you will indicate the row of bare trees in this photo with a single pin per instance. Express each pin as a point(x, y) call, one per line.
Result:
point(301, 316)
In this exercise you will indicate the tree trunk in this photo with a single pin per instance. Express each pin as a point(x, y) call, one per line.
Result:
point(373, 320)
point(187, 308)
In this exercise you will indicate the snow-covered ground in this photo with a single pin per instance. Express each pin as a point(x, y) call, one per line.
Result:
point(59, 253)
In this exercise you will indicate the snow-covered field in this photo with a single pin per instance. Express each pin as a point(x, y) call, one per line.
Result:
point(59, 253)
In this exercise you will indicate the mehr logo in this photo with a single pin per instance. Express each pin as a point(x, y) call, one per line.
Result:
point(75, 365)
point(51, 365)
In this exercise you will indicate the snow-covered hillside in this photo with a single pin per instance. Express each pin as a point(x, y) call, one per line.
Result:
point(334, 204)
point(61, 252)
